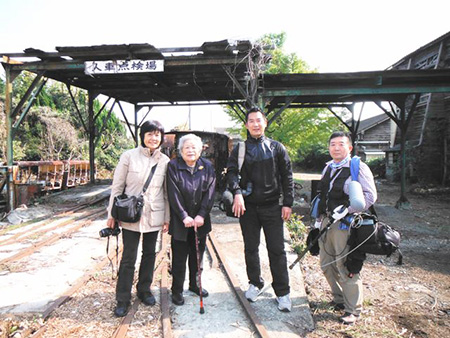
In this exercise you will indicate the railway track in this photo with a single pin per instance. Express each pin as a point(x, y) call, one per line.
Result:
point(165, 314)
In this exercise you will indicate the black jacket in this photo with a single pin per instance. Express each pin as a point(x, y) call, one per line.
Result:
point(190, 195)
point(268, 166)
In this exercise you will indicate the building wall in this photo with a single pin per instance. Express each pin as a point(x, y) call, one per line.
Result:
point(429, 130)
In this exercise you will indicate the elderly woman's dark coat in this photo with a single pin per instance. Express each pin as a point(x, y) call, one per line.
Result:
point(190, 194)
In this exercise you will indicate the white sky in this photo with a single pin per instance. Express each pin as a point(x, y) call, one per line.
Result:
point(330, 35)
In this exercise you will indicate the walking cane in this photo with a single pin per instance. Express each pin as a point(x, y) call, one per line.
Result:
point(199, 272)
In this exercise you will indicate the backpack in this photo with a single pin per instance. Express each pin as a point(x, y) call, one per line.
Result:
point(369, 235)
point(227, 199)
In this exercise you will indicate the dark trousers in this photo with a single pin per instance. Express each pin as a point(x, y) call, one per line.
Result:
point(126, 271)
point(269, 219)
point(181, 251)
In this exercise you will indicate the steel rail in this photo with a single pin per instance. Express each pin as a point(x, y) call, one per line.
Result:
point(32, 232)
point(160, 265)
point(30, 250)
point(68, 293)
point(250, 312)
point(122, 329)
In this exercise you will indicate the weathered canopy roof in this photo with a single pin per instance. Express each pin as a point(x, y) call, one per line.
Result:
point(219, 72)
point(202, 73)
point(327, 88)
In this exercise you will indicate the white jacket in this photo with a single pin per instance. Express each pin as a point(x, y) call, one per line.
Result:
point(132, 173)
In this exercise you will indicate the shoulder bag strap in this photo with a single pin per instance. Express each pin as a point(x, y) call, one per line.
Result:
point(241, 154)
point(149, 178)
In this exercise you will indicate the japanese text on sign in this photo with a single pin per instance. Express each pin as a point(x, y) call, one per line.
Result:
point(123, 66)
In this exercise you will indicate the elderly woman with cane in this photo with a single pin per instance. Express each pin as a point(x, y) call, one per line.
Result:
point(191, 184)
point(141, 170)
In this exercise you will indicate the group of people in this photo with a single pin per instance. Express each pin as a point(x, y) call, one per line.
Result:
point(180, 198)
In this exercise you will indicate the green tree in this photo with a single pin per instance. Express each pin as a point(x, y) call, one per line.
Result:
point(2, 88)
point(302, 131)
point(54, 130)
point(113, 140)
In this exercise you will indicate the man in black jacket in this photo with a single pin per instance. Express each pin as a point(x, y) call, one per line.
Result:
point(265, 176)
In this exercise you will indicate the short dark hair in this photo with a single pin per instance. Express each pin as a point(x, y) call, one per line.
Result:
point(340, 134)
point(254, 110)
point(149, 126)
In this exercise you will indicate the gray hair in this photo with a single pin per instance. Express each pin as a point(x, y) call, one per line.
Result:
point(194, 139)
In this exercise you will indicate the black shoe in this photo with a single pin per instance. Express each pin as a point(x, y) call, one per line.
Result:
point(196, 290)
point(147, 298)
point(122, 309)
point(336, 306)
point(177, 298)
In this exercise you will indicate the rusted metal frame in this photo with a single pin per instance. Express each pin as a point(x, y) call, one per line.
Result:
point(248, 99)
point(76, 108)
point(126, 120)
point(104, 124)
point(27, 94)
point(101, 109)
point(237, 289)
point(278, 113)
point(28, 107)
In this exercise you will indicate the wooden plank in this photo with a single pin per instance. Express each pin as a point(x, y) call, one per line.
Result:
point(165, 313)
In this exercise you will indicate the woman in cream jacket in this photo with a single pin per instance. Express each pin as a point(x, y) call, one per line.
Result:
point(131, 174)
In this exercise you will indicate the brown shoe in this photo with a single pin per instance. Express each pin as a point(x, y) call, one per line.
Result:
point(349, 318)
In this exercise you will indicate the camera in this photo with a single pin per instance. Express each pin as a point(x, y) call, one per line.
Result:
point(106, 232)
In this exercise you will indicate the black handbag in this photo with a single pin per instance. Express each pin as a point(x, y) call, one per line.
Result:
point(129, 208)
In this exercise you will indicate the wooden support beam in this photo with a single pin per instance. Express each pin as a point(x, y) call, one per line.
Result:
point(278, 113)
point(128, 123)
point(27, 108)
point(86, 130)
point(27, 94)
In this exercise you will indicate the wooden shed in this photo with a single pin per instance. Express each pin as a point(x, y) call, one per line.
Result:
point(428, 136)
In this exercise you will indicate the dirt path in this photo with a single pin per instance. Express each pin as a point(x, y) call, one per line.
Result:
point(409, 300)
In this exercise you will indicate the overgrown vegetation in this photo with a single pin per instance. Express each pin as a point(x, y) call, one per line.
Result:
point(298, 232)
point(53, 129)
point(378, 167)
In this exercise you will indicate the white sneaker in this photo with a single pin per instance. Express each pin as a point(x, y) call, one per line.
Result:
point(253, 292)
point(284, 303)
